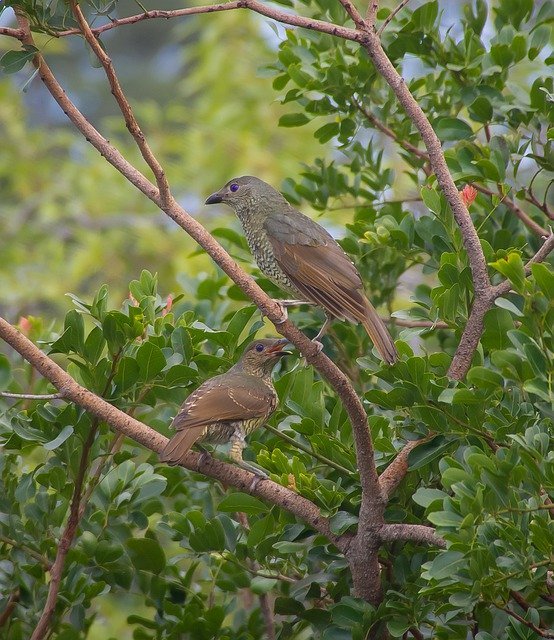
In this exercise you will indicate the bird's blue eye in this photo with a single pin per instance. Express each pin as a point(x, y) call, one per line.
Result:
point(259, 347)
point(234, 187)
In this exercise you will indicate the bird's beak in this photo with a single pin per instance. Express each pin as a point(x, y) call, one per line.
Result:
point(215, 198)
point(277, 348)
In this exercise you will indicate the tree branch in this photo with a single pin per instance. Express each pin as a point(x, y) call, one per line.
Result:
point(353, 13)
point(391, 15)
point(372, 507)
point(543, 633)
point(70, 531)
point(11, 604)
point(393, 475)
point(411, 533)
point(144, 435)
point(31, 396)
point(371, 13)
point(18, 34)
point(42, 560)
point(252, 5)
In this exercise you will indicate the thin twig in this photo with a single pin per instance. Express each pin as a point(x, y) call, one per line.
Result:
point(512, 206)
point(31, 396)
point(44, 562)
point(11, 604)
point(543, 633)
point(415, 324)
point(124, 106)
point(309, 451)
point(252, 5)
point(391, 15)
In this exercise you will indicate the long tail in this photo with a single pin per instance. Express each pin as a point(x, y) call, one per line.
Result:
point(380, 335)
point(177, 447)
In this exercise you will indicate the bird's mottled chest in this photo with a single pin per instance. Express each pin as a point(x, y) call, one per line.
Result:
point(260, 246)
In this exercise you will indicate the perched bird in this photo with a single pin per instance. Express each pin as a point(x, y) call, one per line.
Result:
point(228, 407)
point(302, 257)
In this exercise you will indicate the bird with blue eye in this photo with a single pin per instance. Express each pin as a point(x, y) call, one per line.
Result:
point(302, 258)
point(226, 408)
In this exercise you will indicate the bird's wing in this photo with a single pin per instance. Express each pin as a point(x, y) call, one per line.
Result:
point(316, 265)
point(223, 400)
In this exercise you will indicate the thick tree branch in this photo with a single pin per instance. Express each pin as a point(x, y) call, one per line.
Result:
point(69, 533)
point(411, 533)
point(371, 13)
point(18, 34)
point(144, 435)
point(372, 508)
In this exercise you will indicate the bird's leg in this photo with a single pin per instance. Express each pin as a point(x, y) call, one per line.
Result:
point(237, 445)
point(204, 453)
point(283, 304)
point(322, 331)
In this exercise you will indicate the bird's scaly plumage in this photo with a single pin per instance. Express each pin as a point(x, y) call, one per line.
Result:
point(300, 256)
point(229, 406)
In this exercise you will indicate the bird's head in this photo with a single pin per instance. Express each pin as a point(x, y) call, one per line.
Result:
point(261, 356)
point(245, 193)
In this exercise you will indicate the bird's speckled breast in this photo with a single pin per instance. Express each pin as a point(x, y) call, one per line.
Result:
point(260, 246)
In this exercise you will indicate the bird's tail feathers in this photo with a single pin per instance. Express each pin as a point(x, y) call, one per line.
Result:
point(176, 449)
point(380, 335)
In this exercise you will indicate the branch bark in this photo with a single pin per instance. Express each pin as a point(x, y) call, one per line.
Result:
point(411, 533)
point(393, 475)
point(144, 435)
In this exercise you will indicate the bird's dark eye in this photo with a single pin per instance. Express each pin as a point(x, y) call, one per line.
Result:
point(259, 347)
point(234, 187)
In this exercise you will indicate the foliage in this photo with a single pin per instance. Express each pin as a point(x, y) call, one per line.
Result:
point(484, 476)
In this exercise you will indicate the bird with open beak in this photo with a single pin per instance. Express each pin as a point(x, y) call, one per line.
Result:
point(228, 407)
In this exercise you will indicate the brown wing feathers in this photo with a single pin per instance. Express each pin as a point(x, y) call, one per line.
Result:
point(325, 275)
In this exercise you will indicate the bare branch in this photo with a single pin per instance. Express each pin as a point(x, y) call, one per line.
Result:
point(69, 533)
point(18, 34)
point(353, 13)
point(415, 324)
point(371, 13)
point(393, 475)
point(124, 106)
point(31, 396)
point(252, 5)
point(411, 533)
point(144, 435)
point(391, 15)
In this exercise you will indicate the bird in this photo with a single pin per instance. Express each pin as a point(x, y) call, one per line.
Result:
point(227, 407)
point(302, 258)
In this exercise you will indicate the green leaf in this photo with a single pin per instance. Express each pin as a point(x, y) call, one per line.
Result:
point(544, 277)
point(293, 120)
point(128, 372)
point(481, 110)
point(482, 377)
point(94, 345)
point(512, 268)
point(150, 360)
point(446, 564)
point(5, 371)
point(146, 554)
point(445, 518)
point(425, 497)
point(452, 129)
point(13, 61)
point(237, 502)
point(59, 439)
point(539, 387)
point(260, 585)
point(326, 132)
point(342, 521)
point(424, 453)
